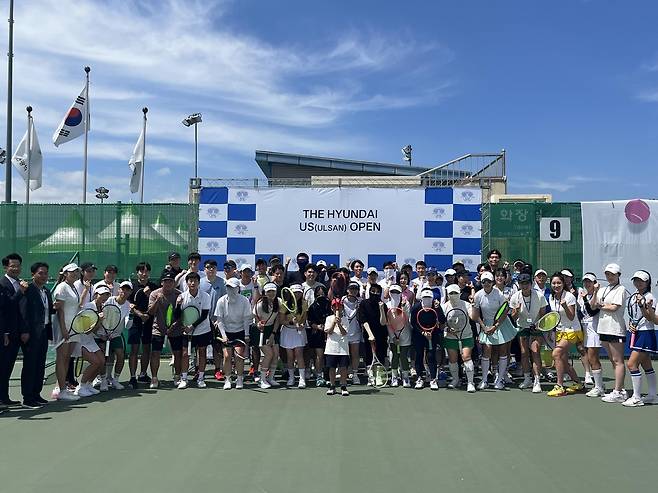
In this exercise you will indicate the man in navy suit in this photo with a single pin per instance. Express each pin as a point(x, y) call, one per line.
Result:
point(36, 308)
point(15, 332)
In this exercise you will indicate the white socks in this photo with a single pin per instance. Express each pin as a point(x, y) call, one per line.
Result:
point(636, 378)
point(597, 375)
point(484, 363)
point(470, 370)
point(502, 368)
point(454, 371)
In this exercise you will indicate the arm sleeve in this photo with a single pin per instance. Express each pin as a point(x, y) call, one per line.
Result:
point(588, 308)
point(204, 315)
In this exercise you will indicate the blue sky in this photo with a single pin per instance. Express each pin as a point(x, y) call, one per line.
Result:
point(568, 88)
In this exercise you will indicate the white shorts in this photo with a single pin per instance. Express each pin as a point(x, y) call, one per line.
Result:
point(85, 341)
point(291, 338)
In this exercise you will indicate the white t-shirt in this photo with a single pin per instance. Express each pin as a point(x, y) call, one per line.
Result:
point(309, 292)
point(488, 304)
point(612, 323)
point(114, 289)
point(405, 335)
point(635, 313)
point(461, 304)
point(81, 288)
point(182, 285)
point(507, 291)
point(249, 290)
point(268, 318)
point(234, 316)
point(125, 313)
point(350, 309)
point(528, 307)
point(588, 321)
point(565, 324)
point(70, 302)
point(336, 342)
point(202, 302)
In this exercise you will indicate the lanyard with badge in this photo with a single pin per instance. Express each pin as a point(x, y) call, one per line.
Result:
point(607, 291)
point(528, 306)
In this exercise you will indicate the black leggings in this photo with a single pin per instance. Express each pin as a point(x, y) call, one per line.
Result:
point(421, 347)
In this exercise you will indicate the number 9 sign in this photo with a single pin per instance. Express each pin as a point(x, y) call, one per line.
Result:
point(555, 229)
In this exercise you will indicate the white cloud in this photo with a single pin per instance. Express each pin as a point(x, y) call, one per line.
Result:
point(163, 171)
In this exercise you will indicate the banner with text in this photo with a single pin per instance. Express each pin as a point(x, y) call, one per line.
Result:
point(438, 225)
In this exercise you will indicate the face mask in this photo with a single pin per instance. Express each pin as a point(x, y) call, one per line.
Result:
point(395, 298)
point(426, 302)
point(302, 263)
point(453, 296)
point(231, 291)
point(375, 297)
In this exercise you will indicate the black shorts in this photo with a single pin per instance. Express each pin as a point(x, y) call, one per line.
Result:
point(316, 339)
point(336, 360)
point(139, 333)
point(157, 343)
point(202, 340)
point(612, 338)
point(176, 343)
point(232, 336)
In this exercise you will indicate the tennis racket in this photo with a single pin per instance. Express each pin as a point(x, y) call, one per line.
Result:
point(635, 316)
point(261, 324)
point(83, 323)
point(427, 320)
point(548, 322)
point(457, 321)
point(378, 371)
point(110, 321)
point(190, 316)
point(396, 320)
point(78, 366)
point(238, 345)
point(288, 300)
point(501, 312)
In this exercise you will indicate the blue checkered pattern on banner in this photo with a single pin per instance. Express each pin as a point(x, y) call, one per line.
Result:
point(453, 230)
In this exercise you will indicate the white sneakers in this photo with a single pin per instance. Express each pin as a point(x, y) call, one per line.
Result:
point(291, 379)
point(395, 381)
point(302, 383)
point(271, 381)
point(239, 384)
point(182, 384)
point(64, 395)
point(419, 383)
point(536, 387)
point(470, 388)
point(84, 390)
point(201, 384)
point(103, 385)
point(115, 384)
point(588, 379)
point(499, 385)
point(155, 383)
point(264, 384)
point(595, 392)
point(355, 379)
point(615, 396)
point(527, 382)
point(633, 401)
point(227, 384)
point(405, 382)
point(453, 383)
point(650, 399)
point(434, 385)
point(483, 384)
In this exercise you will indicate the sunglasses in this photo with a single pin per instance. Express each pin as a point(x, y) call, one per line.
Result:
point(487, 281)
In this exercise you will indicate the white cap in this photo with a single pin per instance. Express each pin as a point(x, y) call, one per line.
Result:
point(427, 293)
point(321, 263)
point(70, 268)
point(245, 267)
point(269, 286)
point(102, 289)
point(486, 275)
point(126, 284)
point(589, 277)
point(451, 272)
point(297, 288)
point(395, 287)
point(453, 288)
point(642, 275)
point(371, 270)
point(566, 272)
point(540, 271)
point(233, 282)
point(613, 268)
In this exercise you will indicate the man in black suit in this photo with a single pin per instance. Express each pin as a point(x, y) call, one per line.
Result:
point(15, 332)
point(36, 307)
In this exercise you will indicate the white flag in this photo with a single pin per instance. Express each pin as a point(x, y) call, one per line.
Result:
point(19, 160)
point(73, 123)
point(136, 162)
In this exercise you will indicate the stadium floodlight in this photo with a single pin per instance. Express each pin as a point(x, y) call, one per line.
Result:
point(406, 153)
point(102, 193)
point(194, 119)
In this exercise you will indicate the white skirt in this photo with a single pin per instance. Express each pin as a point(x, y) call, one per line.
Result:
point(292, 338)
point(591, 336)
point(84, 341)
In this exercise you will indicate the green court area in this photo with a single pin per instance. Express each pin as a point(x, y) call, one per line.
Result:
point(389, 440)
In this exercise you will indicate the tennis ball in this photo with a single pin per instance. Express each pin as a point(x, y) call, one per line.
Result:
point(637, 211)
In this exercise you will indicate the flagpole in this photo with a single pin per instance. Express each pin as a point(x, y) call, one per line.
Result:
point(144, 110)
point(84, 179)
point(10, 71)
point(29, 154)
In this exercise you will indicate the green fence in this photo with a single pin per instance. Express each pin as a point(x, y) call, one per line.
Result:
point(514, 229)
point(120, 234)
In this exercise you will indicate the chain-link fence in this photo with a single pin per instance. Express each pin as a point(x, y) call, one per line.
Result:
point(515, 230)
point(120, 234)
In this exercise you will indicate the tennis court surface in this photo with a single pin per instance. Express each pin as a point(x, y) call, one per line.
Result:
point(389, 440)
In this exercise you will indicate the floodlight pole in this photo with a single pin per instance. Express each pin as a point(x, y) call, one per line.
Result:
point(10, 72)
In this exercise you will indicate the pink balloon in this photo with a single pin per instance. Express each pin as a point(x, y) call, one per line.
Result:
point(637, 211)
